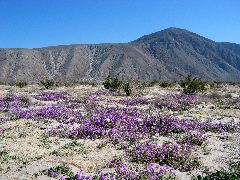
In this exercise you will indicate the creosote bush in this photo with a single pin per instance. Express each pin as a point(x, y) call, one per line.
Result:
point(193, 85)
point(127, 88)
point(48, 83)
point(153, 82)
point(235, 167)
point(114, 84)
point(55, 171)
point(166, 84)
point(21, 84)
point(219, 175)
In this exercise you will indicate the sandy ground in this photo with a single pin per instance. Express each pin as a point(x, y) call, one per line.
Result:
point(28, 150)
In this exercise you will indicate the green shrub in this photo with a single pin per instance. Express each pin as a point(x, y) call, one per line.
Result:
point(192, 85)
point(153, 82)
point(48, 83)
point(235, 167)
point(149, 83)
point(113, 84)
point(166, 84)
point(127, 89)
point(55, 171)
point(218, 175)
point(21, 84)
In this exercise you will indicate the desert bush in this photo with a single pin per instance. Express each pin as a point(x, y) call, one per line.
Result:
point(232, 83)
point(193, 138)
point(153, 82)
point(235, 167)
point(215, 95)
point(3, 83)
point(69, 83)
point(48, 83)
point(228, 95)
point(166, 84)
point(137, 88)
point(91, 83)
point(216, 84)
point(113, 84)
point(56, 171)
point(192, 85)
point(20, 84)
point(218, 175)
point(149, 83)
point(127, 88)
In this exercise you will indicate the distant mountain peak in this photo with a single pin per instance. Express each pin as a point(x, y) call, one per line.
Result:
point(174, 29)
point(169, 34)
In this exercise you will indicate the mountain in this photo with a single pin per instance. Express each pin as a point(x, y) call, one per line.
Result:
point(166, 55)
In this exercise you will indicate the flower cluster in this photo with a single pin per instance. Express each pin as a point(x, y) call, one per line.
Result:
point(51, 96)
point(135, 101)
point(122, 171)
point(121, 124)
point(152, 171)
point(100, 93)
point(173, 101)
point(50, 112)
point(193, 137)
point(170, 154)
point(127, 127)
point(13, 102)
point(178, 101)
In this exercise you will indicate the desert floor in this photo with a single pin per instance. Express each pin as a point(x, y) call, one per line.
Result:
point(53, 134)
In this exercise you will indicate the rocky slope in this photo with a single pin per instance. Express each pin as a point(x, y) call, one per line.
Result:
point(169, 54)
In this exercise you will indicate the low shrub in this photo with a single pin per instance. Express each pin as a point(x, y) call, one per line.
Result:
point(193, 138)
point(20, 84)
point(218, 175)
point(90, 83)
point(127, 89)
point(56, 171)
point(149, 83)
point(153, 82)
point(215, 95)
point(69, 83)
point(193, 85)
point(48, 83)
point(166, 84)
point(113, 84)
point(235, 167)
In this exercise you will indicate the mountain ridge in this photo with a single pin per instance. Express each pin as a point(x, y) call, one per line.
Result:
point(166, 55)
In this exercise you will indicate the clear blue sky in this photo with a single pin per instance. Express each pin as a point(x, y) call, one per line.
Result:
point(40, 23)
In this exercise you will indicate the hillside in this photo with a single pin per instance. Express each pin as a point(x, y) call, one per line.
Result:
point(169, 54)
